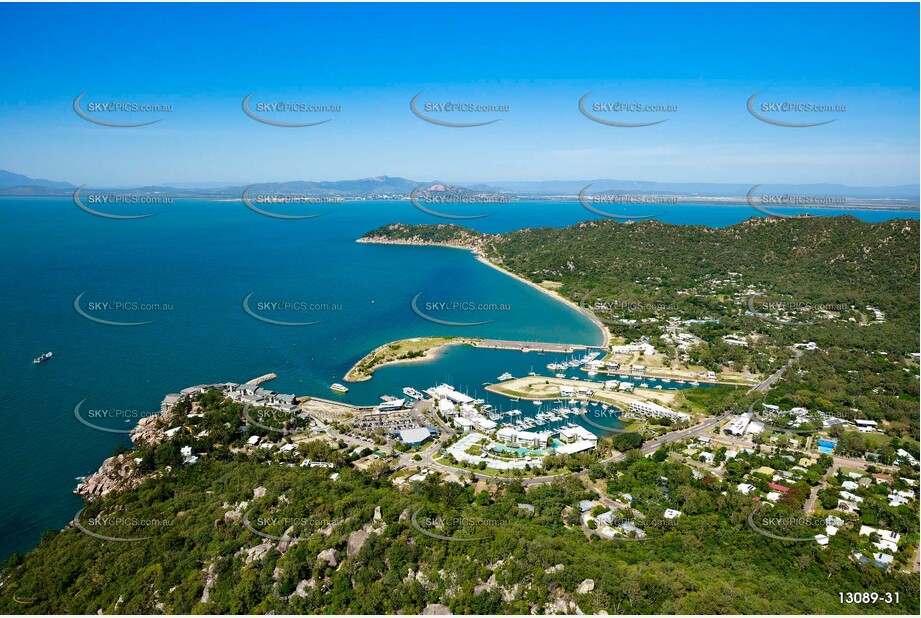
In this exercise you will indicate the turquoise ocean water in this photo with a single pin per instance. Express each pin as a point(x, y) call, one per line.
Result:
point(187, 270)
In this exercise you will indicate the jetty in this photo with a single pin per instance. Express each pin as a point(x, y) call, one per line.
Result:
point(261, 379)
point(529, 346)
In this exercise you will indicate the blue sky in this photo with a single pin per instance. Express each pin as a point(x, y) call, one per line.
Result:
point(537, 59)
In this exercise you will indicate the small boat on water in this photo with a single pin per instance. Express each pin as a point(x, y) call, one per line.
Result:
point(412, 393)
point(537, 402)
point(644, 385)
point(561, 375)
point(339, 388)
point(695, 383)
point(506, 376)
point(43, 358)
point(681, 382)
point(532, 372)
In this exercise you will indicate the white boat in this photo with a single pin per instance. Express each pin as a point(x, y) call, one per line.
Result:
point(561, 375)
point(695, 383)
point(506, 376)
point(44, 357)
point(537, 402)
point(412, 393)
point(339, 388)
point(666, 380)
point(644, 385)
point(658, 387)
point(681, 382)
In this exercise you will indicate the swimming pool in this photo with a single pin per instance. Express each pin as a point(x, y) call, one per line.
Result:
point(826, 446)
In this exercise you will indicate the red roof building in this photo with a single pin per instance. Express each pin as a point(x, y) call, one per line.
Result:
point(782, 489)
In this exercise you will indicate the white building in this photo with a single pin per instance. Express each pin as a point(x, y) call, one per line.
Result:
point(446, 391)
point(464, 424)
point(745, 488)
point(631, 348)
point(574, 434)
point(653, 410)
point(738, 425)
point(447, 408)
point(578, 446)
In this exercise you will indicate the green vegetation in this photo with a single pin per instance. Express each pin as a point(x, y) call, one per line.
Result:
point(810, 279)
point(706, 561)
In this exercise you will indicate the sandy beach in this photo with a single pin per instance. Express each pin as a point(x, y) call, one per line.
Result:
point(605, 332)
point(484, 260)
point(428, 355)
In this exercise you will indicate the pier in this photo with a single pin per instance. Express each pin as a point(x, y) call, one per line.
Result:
point(529, 346)
point(261, 379)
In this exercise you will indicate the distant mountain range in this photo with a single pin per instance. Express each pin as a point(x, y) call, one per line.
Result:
point(17, 184)
point(389, 187)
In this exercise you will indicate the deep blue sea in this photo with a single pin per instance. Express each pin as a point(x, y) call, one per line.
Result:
point(186, 272)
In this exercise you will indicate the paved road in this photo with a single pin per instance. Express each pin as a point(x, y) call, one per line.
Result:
point(809, 507)
point(653, 445)
point(765, 385)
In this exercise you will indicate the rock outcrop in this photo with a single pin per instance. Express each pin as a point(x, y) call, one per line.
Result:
point(436, 609)
point(112, 474)
point(329, 556)
point(586, 586)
